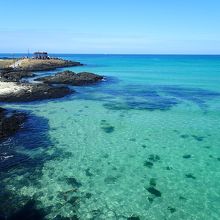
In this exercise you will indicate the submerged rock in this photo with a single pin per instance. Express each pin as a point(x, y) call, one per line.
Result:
point(190, 176)
point(184, 136)
point(182, 198)
point(154, 157)
point(153, 182)
point(74, 200)
point(154, 191)
point(133, 218)
point(171, 209)
point(71, 78)
point(10, 122)
point(88, 172)
point(108, 129)
point(169, 168)
point(88, 195)
point(148, 164)
point(186, 156)
point(198, 138)
point(73, 181)
point(150, 199)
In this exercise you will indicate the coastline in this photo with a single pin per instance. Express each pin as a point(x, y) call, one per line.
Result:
point(13, 90)
point(31, 64)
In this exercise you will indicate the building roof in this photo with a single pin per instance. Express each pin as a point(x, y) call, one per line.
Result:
point(40, 53)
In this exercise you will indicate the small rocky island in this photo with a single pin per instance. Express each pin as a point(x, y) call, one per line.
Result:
point(36, 64)
point(72, 78)
point(44, 65)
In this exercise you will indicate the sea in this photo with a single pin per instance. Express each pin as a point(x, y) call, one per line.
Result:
point(143, 144)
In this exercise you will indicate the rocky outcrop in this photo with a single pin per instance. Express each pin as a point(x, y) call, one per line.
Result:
point(9, 75)
point(44, 65)
point(12, 90)
point(71, 78)
point(32, 92)
point(10, 122)
point(26, 64)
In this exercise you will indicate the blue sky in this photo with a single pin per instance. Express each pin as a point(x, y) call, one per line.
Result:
point(111, 26)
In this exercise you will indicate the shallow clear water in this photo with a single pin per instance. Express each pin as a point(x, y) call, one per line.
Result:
point(144, 143)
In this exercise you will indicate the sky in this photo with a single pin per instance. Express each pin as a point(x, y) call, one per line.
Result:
point(110, 26)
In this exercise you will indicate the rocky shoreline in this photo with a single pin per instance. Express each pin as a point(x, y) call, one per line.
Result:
point(25, 64)
point(45, 65)
point(11, 75)
point(26, 92)
point(12, 89)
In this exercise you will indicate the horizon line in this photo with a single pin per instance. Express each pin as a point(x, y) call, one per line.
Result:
point(166, 54)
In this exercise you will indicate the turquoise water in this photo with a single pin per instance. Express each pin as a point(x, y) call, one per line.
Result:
point(144, 143)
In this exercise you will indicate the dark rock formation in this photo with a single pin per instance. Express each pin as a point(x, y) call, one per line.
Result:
point(71, 78)
point(10, 122)
point(33, 92)
point(154, 191)
point(8, 75)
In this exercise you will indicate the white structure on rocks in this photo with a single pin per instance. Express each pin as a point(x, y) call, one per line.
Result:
point(41, 55)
